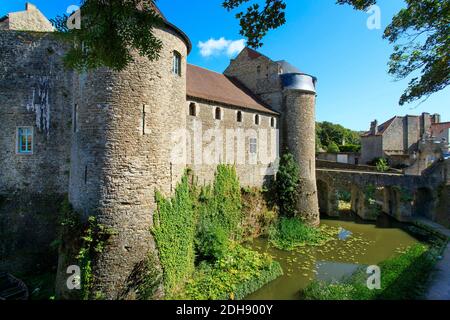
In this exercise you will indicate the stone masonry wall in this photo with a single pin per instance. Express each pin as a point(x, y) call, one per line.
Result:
point(122, 155)
point(35, 92)
point(252, 171)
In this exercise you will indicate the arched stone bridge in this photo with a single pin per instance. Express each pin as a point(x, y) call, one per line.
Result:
point(401, 196)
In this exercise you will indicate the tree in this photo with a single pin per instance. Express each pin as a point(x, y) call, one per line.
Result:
point(424, 24)
point(110, 31)
point(286, 185)
point(333, 148)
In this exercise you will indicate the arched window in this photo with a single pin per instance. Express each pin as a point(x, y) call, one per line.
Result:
point(192, 109)
point(257, 119)
point(176, 64)
point(218, 114)
point(239, 116)
point(272, 122)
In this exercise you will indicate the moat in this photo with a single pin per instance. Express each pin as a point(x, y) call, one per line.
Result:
point(368, 244)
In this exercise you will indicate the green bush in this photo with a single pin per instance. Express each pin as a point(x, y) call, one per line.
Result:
point(333, 148)
point(238, 273)
point(174, 231)
point(382, 165)
point(286, 185)
point(290, 233)
point(211, 242)
point(350, 148)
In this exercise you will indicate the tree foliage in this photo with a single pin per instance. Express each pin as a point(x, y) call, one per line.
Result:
point(286, 185)
point(257, 20)
point(110, 31)
point(424, 24)
point(336, 137)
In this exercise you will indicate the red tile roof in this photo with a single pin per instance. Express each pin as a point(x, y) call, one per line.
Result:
point(212, 86)
point(381, 128)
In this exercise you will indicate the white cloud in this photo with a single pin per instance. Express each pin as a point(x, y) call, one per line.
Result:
point(214, 47)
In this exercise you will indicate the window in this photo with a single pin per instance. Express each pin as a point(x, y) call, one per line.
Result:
point(176, 68)
point(253, 145)
point(218, 114)
point(239, 116)
point(272, 122)
point(193, 110)
point(258, 70)
point(25, 140)
point(257, 119)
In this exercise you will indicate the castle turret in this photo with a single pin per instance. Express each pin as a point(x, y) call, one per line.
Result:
point(299, 96)
point(292, 93)
point(123, 125)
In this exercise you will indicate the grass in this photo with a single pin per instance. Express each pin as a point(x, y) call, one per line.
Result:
point(403, 277)
point(290, 233)
point(239, 273)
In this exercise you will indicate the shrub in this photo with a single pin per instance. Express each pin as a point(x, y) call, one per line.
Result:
point(290, 233)
point(238, 273)
point(350, 148)
point(211, 242)
point(286, 185)
point(333, 148)
point(382, 165)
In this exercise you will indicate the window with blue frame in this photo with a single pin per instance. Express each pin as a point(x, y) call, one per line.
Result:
point(25, 140)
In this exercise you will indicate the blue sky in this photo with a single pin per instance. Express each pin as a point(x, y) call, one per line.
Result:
point(321, 38)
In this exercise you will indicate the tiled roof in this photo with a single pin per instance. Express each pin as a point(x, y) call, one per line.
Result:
point(212, 86)
point(381, 128)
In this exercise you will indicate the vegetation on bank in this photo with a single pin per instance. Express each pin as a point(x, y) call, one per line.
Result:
point(235, 275)
point(403, 277)
point(197, 234)
point(290, 233)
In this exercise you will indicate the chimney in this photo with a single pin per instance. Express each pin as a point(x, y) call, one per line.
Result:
point(436, 118)
point(30, 6)
point(374, 127)
point(425, 123)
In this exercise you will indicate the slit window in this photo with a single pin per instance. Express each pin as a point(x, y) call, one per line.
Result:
point(176, 64)
point(257, 119)
point(272, 122)
point(25, 140)
point(218, 114)
point(75, 118)
point(239, 116)
point(193, 110)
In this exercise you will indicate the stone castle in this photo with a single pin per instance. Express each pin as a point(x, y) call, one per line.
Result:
point(106, 138)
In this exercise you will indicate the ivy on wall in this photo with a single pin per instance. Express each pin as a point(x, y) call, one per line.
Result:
point(174, 231)
point(221, 205)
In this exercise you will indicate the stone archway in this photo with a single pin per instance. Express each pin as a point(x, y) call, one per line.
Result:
point(424, 203)
point(323, 193)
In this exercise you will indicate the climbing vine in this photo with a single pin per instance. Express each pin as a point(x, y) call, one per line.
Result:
point(286, 185)
point(93, 243)
point(174, 230)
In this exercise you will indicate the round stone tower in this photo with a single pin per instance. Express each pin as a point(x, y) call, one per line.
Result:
point(123, 124)
point(299, 99)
